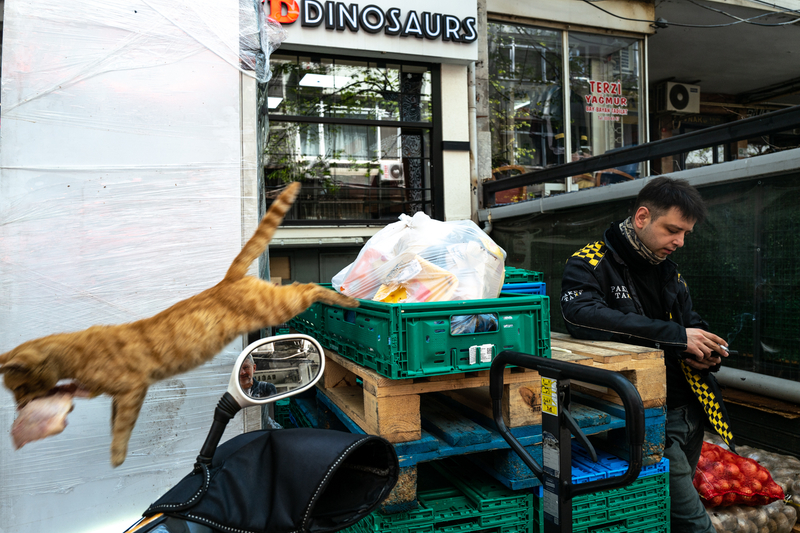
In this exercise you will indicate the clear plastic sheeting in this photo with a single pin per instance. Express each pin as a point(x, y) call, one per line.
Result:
point(259, 36)
point(419, 259)
point(119, 36)
point(121, 179)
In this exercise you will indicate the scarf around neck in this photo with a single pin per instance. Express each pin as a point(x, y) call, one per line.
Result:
point(626, 228)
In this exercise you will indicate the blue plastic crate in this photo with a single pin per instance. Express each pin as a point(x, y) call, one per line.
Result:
point(525, 288)
point(585, 470)
point(508, 468)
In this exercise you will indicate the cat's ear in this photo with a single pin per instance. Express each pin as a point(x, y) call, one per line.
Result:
point(25, 360)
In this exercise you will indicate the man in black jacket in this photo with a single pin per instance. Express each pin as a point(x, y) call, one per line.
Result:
point(625, 289)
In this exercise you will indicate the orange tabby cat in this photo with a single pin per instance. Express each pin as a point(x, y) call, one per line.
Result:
point(178, 339)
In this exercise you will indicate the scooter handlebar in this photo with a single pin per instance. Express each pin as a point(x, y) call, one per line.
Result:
point(634, 412)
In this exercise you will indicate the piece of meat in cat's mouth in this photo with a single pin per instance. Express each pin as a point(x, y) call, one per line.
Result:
point(46, 415)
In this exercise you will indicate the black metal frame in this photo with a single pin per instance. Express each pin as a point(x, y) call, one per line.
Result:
point(556, 472)
point(768, 123)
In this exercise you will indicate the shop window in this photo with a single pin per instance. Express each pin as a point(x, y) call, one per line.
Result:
point(528, 108)
point(604, 78)
point(357, 134)
point(526, 111)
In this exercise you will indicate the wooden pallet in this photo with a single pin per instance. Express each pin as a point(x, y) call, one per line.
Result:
point(642, 366)
point(452, 429)
point(391, 407)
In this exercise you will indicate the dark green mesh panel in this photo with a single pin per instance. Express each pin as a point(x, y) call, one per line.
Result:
point(742, 264)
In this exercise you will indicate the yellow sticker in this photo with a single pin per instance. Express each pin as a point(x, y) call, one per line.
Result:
point(550, 396)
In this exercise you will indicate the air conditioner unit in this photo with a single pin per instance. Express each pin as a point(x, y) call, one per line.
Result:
point(392, 172)
point(678, 98)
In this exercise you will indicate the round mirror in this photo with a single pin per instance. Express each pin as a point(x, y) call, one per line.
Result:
point(277, 367)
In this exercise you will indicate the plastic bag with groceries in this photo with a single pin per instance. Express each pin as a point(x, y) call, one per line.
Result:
point(418, 259)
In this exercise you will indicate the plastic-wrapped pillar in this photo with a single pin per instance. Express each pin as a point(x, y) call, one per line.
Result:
point(120, 194)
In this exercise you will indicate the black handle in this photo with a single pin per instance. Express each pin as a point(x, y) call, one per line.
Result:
point(226, 409)
point(634, 411)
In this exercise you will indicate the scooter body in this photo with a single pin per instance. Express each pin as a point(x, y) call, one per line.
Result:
point(275, 480)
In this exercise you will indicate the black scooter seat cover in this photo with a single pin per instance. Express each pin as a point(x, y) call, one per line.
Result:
point(286, 480)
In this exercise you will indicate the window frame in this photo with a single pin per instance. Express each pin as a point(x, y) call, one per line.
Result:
point(564, 81)
point(434, 129)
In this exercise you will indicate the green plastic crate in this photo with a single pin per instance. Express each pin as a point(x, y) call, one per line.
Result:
point(414, 339)
point(282, 413)
point(454, 499)
point(520, 275)
point(289, 415)
point(641, 507)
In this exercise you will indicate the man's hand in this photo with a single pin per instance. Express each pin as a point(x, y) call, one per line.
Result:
point(705, 347)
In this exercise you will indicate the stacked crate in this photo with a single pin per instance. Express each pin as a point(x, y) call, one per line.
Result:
point(456, 497)
point(453, 499)
point(641, 507)
point(411, 340)
point(395, 370)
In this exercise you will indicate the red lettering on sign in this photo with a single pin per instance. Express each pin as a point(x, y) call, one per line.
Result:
point(292, 10)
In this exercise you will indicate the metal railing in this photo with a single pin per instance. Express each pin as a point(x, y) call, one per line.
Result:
point(748, 128)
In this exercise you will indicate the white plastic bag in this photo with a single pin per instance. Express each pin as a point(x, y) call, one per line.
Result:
point(418, 259)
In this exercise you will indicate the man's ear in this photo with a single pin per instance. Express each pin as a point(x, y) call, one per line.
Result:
point(641, 217)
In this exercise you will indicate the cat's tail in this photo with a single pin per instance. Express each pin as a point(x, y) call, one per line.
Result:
point(266, 228)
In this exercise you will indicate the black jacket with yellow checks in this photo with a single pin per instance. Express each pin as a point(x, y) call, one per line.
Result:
point(599, 301)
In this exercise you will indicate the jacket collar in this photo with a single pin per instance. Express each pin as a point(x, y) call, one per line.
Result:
point(666, 269)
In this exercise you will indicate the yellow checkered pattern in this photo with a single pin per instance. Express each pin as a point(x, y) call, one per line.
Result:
point(593, 253)
point(709, 401)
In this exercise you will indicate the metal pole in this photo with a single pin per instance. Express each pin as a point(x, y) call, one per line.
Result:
point(566, 96)
point(782, 389)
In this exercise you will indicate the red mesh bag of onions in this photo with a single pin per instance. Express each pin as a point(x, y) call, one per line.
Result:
point(723, 478)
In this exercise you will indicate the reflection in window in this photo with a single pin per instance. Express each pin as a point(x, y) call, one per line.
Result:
point(356, 133)
point(527, 101)
point(604, 76)
point(527, 122)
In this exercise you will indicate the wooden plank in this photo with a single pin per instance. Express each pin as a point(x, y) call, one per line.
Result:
point(453, 428)
point(337, 375)
point(395, 418)
point(522, 402)
point(650, 381)
point(381, 386)
point(599, 354)
point(637, 352)
point(570, 357)
point(351, 401)
point(358, 370)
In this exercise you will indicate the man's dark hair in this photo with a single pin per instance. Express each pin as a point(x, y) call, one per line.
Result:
point(661, 194)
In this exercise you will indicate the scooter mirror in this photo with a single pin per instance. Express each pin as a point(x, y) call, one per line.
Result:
point(276, 367)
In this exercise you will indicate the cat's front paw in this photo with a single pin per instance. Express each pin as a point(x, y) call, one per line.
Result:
point(346, 301)
point(118, 454)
